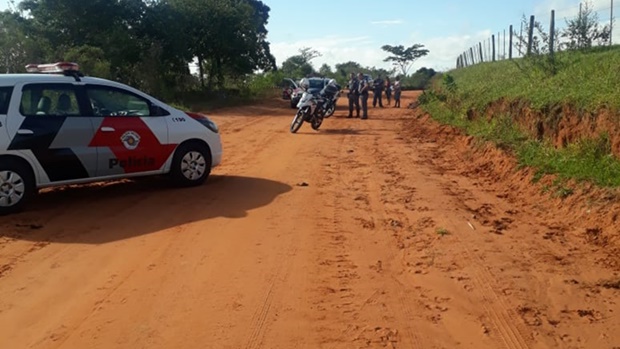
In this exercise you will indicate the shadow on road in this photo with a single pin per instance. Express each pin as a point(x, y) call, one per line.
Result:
point(344, 131)
point(106, 212)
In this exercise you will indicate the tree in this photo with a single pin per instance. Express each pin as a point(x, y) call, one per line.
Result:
point(308, 54)
point(299, 65)
point(404, 57)
point(325, 70)
point(226, 36)
point(582, 31)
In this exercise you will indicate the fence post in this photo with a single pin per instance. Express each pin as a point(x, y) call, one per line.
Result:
point(552, 33)
point(611, 23)
point(471, 53)
point(493, 39)
point(480, 48)
point(510, 44)
point(499, 46)
point(504, 45)
point(530, 36)
point(520, 46)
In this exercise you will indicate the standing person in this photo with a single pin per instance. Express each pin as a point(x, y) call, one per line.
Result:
point(378, 91)
point(354, 97)
point(397, 89)
point(388, 89)
point(363, 92)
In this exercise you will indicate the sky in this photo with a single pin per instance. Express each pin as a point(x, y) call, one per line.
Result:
point(355, 30)
point(344, 30)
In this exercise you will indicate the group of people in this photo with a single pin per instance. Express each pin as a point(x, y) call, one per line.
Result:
point(359, 88)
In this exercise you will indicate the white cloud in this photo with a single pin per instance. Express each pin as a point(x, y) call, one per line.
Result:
point(570, 8)
point(339, 49)
point(443, 51)
point(334, 49)
point(388, 22)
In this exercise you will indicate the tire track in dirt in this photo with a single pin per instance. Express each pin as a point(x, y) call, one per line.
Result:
point(369, 304)
point(335, 293)
point(382, 180)
point(509, 334)
point(525, 260)
point(257, 324)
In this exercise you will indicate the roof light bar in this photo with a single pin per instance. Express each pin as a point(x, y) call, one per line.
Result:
point(53, 68)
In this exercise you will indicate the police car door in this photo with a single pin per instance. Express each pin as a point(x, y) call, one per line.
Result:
point(128, 138)
point(47, 124)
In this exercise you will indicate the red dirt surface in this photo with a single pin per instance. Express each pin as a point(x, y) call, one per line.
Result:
point(404, 234)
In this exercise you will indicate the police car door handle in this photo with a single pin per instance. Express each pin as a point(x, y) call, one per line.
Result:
point(107, 129)
point(25, 132)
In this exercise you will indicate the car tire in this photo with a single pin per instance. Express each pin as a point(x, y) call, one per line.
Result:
point(17, 186)
point(191, 164)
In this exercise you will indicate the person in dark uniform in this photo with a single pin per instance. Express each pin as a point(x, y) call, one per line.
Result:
point(377, 88)
point(363, 92)
point(354, 97)
point(388, 89)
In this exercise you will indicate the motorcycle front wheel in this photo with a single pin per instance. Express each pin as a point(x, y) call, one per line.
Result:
point(297, 121)
point(330, 110)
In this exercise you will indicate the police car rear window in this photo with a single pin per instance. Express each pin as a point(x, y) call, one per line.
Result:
point(5, 98)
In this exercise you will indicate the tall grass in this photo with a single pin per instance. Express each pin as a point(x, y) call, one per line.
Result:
point(585, 80)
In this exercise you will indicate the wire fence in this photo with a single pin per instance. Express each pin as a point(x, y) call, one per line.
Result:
point(540, 29)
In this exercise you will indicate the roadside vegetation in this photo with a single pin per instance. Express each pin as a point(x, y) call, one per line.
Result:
point(583, 78)
point(192, 53)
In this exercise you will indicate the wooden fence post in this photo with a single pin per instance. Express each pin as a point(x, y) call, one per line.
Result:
point(504, 45)
point(471, 53)
point(480, 49)
point(510, 44)
point(552, 33)
point(611, 23)
point(520, 46)
point(499, 46)
point(530, 38)
point(493, 39)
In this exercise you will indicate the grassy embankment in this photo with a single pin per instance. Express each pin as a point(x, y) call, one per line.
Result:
point(585, 80)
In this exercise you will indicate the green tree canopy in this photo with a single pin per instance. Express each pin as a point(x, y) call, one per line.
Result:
point(403, 57)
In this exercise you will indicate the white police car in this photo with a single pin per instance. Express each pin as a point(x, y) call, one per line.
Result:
point(58, 127)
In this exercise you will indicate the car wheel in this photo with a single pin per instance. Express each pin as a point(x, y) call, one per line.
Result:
point(17, 186)
point(191, 165)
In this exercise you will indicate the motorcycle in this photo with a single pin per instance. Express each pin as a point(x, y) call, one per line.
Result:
point(330, 105)
point(309, 109)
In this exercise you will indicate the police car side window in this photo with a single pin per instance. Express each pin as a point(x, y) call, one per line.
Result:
point(5, 99)
point(49, 100)
point(110, 101)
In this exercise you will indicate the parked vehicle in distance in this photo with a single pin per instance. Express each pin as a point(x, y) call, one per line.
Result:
point(288, 86)
point(316, 85)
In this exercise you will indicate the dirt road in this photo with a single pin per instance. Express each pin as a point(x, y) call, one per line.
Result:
point(389, 232)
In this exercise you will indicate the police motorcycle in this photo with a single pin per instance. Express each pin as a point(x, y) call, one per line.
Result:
point(331, 93)
point(311, 109)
